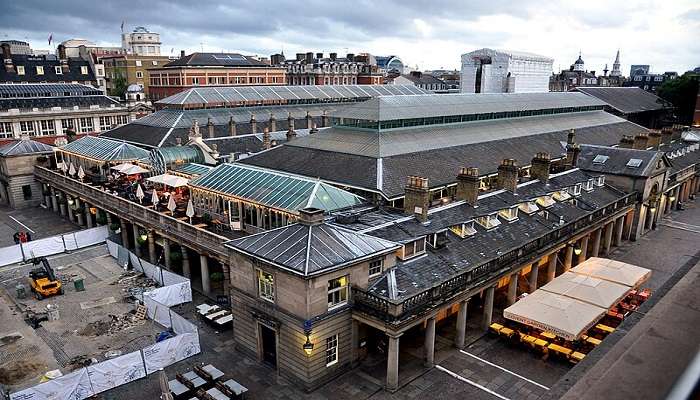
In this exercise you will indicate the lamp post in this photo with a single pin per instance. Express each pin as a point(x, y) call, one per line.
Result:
point(308, 346)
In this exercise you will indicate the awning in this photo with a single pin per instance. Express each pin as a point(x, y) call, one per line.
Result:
point(129, 169)
point(613, 271)
point(169, 180)
point(566, 317)
point(588, 289)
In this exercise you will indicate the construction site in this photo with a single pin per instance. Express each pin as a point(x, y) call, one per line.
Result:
point(67, 312)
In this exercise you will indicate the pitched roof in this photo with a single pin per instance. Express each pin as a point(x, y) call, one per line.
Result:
point(423, 79)
point(275, 189)
point(104, 149)
point(311, 249)
point(30, 62)
point(620, 161)
point(216, 60)
point(627, 100)
point(24, 146)
point(386, 108)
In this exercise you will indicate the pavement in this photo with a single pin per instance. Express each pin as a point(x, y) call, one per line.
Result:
point(43, 222)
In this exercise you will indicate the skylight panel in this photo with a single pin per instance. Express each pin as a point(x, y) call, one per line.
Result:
point(634, 163)
point(600, 159)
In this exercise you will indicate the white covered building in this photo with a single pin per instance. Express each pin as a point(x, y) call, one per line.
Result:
point(504, 71)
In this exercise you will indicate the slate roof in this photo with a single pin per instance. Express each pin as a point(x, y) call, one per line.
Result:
point(626, 100)
point(103, 149)
point(47, 90)
point(30, 62)
point(386, 108)
point(682, 155)
point(617, 160)
point(216, 60)
point(275, 189)
point(424, 79)
point(24, 146)
point(311, 249)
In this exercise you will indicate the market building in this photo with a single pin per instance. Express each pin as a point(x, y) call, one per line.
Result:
point(504, 71)
point(633, 104)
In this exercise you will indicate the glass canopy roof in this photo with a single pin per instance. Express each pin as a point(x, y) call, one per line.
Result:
point(104, 149)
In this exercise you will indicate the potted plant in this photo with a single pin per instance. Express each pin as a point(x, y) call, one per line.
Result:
point(114, 227)
point(101, 217)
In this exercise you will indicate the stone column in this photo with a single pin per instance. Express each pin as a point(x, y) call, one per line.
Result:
point(166, 254)
point(71, 217)
point(392, 365)
point(88, 216)
point(512, 288)
point(568, 258)
point(109, 219)
point(137, 246)
point(47, 197)
point(185, 262)
point(54, 201)
point(152, 248)
point(125, 234)
point(62, 206)
point(551, 267)
point(584, 249)
point(461, 324)
point(488, 308)
point(619, 224)
point(204, 262)
point(430, 343)
point(596, 242)
point(534, 270)
point(608, 238)
point(354, 352)
point(79, 215)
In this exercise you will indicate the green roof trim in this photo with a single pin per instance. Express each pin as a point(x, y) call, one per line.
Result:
point(275, 189)
point(105, 149)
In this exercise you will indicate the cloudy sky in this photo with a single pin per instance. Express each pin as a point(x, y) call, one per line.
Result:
point(428, 34)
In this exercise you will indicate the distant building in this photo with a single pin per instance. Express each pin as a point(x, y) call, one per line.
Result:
point(639, 70)
point(133, 68)
point(137, 102)
point(423, 81)
point(450, 77)
point(315, 69)
point(18, 188)
point(141, 42)
point(501, 71)
point(633, 104)
point(577, 75)
point(73, 48)
point(18, 47)
point(390, 64)
point(650, 82)
point(211, 69)
point(22, 68)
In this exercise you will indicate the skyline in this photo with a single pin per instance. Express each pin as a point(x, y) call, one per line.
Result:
point(433, 40)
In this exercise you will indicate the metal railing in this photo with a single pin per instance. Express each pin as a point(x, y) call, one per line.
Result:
point(180, 231)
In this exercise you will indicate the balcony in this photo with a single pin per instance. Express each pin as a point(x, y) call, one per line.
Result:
point(399, 312)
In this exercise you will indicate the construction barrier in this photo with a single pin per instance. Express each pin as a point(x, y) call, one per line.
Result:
point(53, 245)
point(109, 374)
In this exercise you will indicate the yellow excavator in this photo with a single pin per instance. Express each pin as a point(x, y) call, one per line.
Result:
point(43, 281)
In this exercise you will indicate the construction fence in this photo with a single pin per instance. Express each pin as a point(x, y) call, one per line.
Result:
point(98, 378)
point(53, 245)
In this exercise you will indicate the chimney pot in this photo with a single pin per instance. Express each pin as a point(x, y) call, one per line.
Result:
point(311, 216)
point(508, 175)
point(468, 185)
point(641, 141)
point(539, 169)
point(267, 144)
point(232, 126)
point(417, 197)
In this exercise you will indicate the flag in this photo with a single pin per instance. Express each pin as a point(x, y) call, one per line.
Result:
point(122, 26)
point(50, 38)
point(171, 50)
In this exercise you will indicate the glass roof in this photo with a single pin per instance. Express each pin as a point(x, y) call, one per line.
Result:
point(193, 169)
point(104, 149)
point(8, 91)
point(275, 189)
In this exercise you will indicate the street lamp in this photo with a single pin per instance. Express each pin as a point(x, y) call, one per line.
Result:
point(308, 346)
point(71, 202)
point(672, 198)
point(577, 249)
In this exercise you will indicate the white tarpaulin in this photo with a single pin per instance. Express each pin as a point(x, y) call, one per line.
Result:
point(591, 290)
point(135, 262)
point(170, 278)
point(169, 180)
point(157, 311)
point(89, 237)
point(10, 255)
point(172, 295)
point(70, 241)
point(614, 271)
point(182, 325)
point(170, 351)
point(43, 247)
point(151, 271)
point(116, 372)
point(73, 386)
point(113, 249)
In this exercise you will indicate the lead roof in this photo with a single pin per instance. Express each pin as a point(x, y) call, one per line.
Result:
point(626, 100)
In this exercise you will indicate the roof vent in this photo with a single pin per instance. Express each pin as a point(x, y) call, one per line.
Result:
point(311, 216)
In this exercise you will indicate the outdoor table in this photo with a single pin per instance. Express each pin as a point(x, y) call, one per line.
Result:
point(225, 319)
point(213, 371)
point(605, 328)
point(235, 387)
point(177, 388)
point(204, 309)
point(592, 340)
point(548, 335)
point(216, 394)
point(559, 349)
point(506, 332)
point(194, 379)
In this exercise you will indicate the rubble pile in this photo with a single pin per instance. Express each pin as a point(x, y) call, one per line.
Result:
point(112, 324)
point(134, 284)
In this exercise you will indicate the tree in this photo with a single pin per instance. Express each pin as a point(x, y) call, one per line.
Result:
point(682, 92)
point(120, 85)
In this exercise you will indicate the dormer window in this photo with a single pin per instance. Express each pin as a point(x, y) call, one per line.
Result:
point(509, 214)
point(545, 201)
point(561, 195)
point(588, 185)
point(414, 248)
point(464, 230)
point(575, 190)
point(489, 221)
point(529, 207)
point(437, 240)
point(600, 180)
point(58, 70)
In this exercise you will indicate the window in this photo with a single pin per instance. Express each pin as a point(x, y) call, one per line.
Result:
point(337, 292)
point(105, 123)
point(529, 207)
point(561, 195)
point(545, 201)
point(266, 286)
point(138, 63)
point(39, 70)
point(634, 163)
point(489, 221)
point(412, 249)
point(588, 185)
point(195, 80)
point(139, 74)
point(637, 78)
point(375, 267)
point(600, 180)
point(464, 230)
point(47, 127)
point(66, 125)
point(86, 125)
point(26, 127)
point(509, 214)
point(27, 192)
point(6, 130)
point(154, 62)
point(84, 70)
point(600, 159)
point(575, 190)
point(58, 70)
point(331, 350)
point(20, 70)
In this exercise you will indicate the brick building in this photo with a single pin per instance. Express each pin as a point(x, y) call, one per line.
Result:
point(134, 68)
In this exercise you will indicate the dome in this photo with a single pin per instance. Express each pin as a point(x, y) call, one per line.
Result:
point(134, 88)
point(579, 61)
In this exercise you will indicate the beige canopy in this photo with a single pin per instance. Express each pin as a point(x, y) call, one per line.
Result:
point(566, 317)
point(613, 271)
point(598, 292)
point(169, 180)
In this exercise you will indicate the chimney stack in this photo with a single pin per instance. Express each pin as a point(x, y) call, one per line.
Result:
point(468, 185)
point(253, 124)
point(508, 175)
point(231, 127)
point(350, 57)
point(7, 57)
point(677, 131)
point(63, 59)
point(273, 123)
point(309, 121)
point(182, 53)
point(333, 56)
point(210, 128)
point(627, 142)
point(291, 134)
point(309, 58)
point(571, 137)
point(539, 169)
point(319, 55)
point(654, 139)
point(641, 141)
point(417, 198)
point(266, 139)
point(310, 216)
